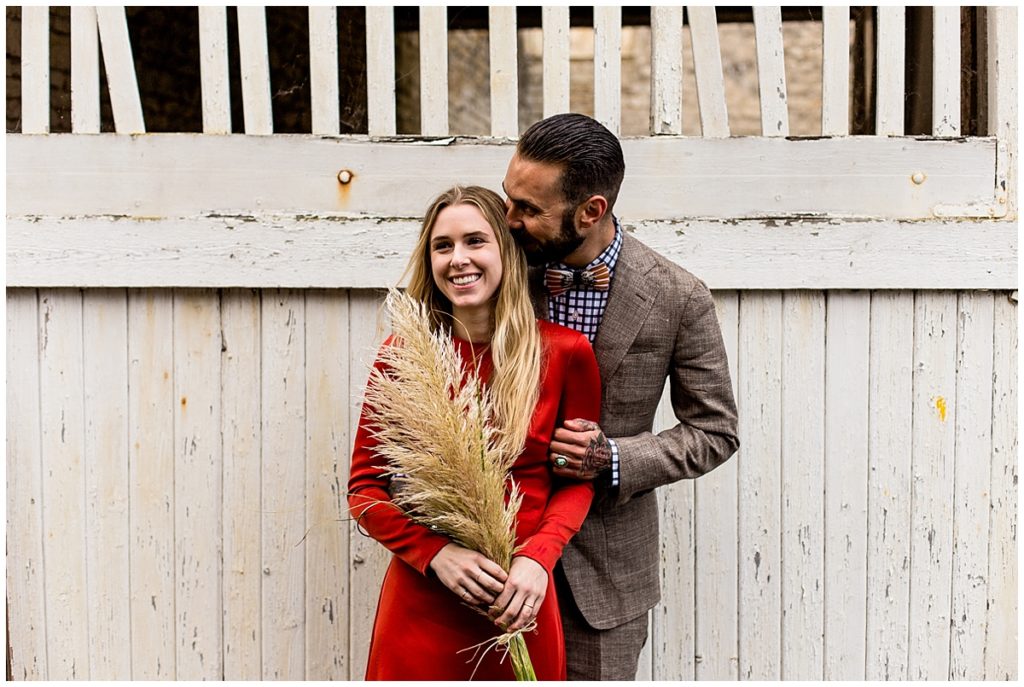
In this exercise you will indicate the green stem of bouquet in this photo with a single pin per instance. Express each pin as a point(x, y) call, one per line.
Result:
point(522, 666)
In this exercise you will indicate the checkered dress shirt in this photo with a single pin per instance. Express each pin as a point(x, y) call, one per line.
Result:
point(582, 308)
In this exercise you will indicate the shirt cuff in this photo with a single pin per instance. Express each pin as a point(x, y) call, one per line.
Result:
point(615, 463)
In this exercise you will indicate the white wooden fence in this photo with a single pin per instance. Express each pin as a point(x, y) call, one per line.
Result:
point(189, 319)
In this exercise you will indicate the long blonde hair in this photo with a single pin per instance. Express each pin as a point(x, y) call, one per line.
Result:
point(515, 342)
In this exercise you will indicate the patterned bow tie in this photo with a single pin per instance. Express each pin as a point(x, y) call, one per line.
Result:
point(559, 281)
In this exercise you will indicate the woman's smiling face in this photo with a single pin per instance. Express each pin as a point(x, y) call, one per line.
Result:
point(465, 258)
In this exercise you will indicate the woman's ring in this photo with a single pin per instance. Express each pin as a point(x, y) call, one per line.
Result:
point(560, 460)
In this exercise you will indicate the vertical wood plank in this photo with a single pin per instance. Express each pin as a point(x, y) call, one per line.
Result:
point(284, 485)
point(61, 400)
point(889, 85)
point(323, 70)
point(847, 334)
point(946, 71)
point(504, 71)
point(26, 600)
point(608, 66)
point(198, 470)
point(1002, 98)
point(666, 70)
point(935, 315)
point(434, 70)
point(151, 482)
point(380, 70)
point(889, 477)
point(85, 71)
point(803, 460)
point(835, 73)
point(555, 27)
point(771, 71)
point(367, 559)
point(760, 484)
point(971, 485)
point(241, 421)
point(669, 652)
point(716, 513)
point(257, 110)
point(707, 63)
point(120, 68)
point(105, 333)
point(327, 445)
point(35, 70)
point(1001, 625)
point(213, 70)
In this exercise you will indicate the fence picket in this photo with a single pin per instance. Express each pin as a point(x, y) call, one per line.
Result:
point(434, 70)
point(120, 68)
point(890, 81)
point(380, 70)
point(35, 70)
point(255, 68)
point(323, 70)
point(85, 71)
point(771, 71)
point(1002, 98)
point(555, 27)
point(707, 63)
point(946, 71)
point(666, 70)
point(213, 69)
point(504, 72)
point(835, 73)
point(608, 66)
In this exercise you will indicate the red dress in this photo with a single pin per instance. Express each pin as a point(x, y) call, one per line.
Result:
point(421, 625)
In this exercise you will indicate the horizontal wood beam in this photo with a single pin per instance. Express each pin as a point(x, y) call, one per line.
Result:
point(334, 251)
point(667, 177)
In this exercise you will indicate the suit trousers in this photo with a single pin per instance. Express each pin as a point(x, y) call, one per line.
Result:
point(597, 654)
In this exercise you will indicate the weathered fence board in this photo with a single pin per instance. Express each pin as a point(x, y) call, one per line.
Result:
point(35, 70)
point(707, 64)
point(890, 78)
point(323, 70)
point(946, 71)
point(433, 70)
point(214, 72)
point(771, 71)
point(666, 70)
point(504, 71)
point(835, 76)
point(608, 66)
point(85, 71)
point(555, 27)
point(257, 110)
point(119, 66)
point(380, 70)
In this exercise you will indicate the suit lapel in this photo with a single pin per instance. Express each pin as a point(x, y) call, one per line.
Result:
point(629, 302)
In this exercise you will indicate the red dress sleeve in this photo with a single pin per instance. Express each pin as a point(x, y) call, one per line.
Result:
point(371, 506)
point(570, 499)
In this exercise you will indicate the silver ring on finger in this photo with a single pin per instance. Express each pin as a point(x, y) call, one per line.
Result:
point(560, 460)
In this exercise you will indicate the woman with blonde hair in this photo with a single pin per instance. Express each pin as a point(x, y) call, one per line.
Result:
point(468, 269)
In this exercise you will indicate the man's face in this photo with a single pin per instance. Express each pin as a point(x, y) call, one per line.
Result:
point(542, 222)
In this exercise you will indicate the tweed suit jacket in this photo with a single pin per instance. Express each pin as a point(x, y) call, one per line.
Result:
point(659, 323)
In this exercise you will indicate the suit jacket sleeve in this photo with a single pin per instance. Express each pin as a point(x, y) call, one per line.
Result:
point(570, 499)
point(371, 506)
point(702, 400)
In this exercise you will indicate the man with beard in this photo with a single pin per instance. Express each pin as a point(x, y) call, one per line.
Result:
point(648, 319)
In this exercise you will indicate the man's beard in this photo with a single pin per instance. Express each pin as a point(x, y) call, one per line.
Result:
point(542, 253)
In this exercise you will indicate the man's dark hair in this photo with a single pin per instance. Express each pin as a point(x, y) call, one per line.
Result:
point(589, 154)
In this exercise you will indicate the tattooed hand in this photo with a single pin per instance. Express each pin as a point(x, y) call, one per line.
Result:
point(580, 450)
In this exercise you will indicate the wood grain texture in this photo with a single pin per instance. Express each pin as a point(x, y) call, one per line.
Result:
point(889, 101)
point(323, 70)
point(501, 32)
point(35, 70)
point(771, 71)
point(835, 73)
point(1002, 64)
point(434, 70)
point(380, 70)
point(555, 27)
point(666, 70)
point(608, 66)
point(85, 71)
point(707, 64)
point(257, 111)
point(946, 71)
point(119, 66)
point(214, 72)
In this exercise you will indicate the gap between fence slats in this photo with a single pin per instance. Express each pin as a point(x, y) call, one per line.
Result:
point(26, 599)
point(666, 70)
point(434, 70)
point(1002, 97)
point(85, 71)
point(802, 467)
point(889, 83)
point(213, 70)
point(716, 497)
point(35, 70)
point(835, 73)
point(327, 466)
point(104, 333)
point(972, 485)
point(380, 70)
point(935, 350)
point(771, 71)
point(284, 482)
point(1001, 606)
point(323, 70)
point(760, 486)
point(241, 421)
point(707, 63)
point(504, 72)
point(889, 477)
point(555, 28)
point(198, 470)
point(119, 66)
point(151, 474)
point(946, 71)
point(255, 69)
point(608, 66)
